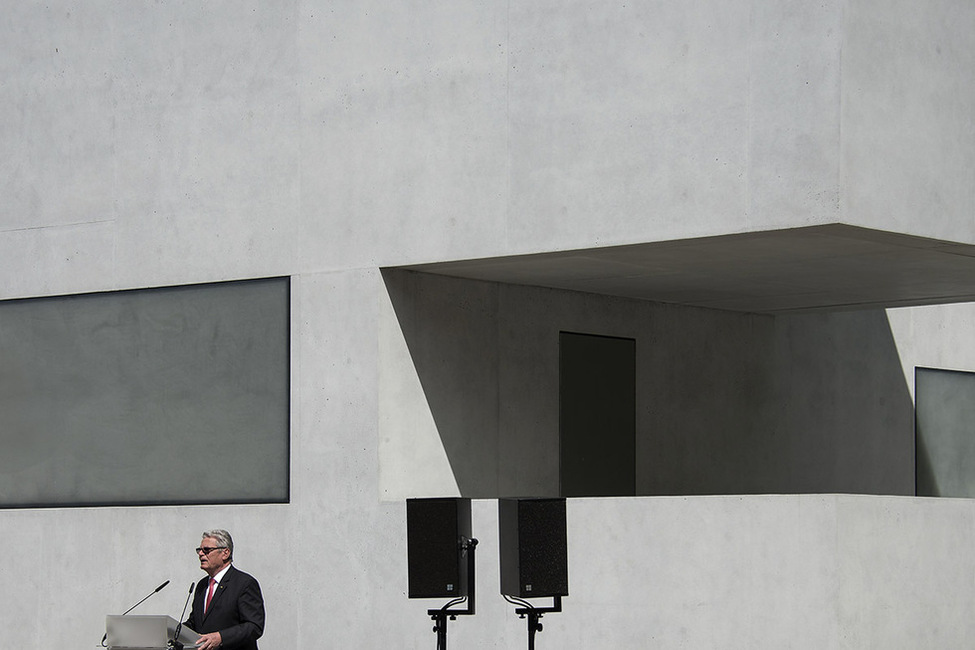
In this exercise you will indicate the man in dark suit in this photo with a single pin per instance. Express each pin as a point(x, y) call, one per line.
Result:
point(228, 608)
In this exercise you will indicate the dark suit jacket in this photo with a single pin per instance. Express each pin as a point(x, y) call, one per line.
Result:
point(236, 611)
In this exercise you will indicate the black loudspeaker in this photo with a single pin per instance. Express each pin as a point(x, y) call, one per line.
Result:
point(534, 556)
point(436, 530)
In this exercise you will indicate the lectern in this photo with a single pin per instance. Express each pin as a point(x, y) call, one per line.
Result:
point(127, 632)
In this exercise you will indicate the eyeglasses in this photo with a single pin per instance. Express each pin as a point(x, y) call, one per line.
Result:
point(206, 550)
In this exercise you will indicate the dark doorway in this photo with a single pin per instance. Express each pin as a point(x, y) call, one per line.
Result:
point(597, 415)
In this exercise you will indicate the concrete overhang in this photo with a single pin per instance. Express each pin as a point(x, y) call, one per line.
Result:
point(816, 268)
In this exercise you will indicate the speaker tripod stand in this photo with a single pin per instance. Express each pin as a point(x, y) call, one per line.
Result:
point(534, 615)
point(439, 616)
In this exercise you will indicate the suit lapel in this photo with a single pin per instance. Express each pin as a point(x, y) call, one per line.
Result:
point(221, 586)
point(200, 599)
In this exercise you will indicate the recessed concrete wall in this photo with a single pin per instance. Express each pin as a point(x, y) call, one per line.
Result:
point(726, 403)
point(846, 419)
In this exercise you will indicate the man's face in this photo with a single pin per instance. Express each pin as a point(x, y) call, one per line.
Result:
point(214, 561)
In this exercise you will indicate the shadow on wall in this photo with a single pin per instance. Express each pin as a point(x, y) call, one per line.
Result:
point(847, 418)
point(926, 483)
point(727, 403)
point(451, 329)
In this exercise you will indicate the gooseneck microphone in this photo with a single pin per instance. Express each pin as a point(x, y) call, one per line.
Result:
point(175, 644)
point(154, 591)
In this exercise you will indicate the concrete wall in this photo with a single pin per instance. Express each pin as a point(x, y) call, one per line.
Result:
point(150, 144)
point(907, 155)
point(726, 403)
point(846, 420)
point(163, 144)
point(769, 572)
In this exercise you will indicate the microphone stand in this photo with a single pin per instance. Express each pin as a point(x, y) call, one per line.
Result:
point(174, 643)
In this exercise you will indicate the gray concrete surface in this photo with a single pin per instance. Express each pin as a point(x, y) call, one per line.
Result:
point(727, 403)
point(153, 144)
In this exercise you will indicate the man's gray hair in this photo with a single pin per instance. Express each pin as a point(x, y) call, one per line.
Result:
point(223, 538)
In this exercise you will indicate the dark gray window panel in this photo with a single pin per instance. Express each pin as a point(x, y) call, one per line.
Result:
point(945, 432)
point(177, 395)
